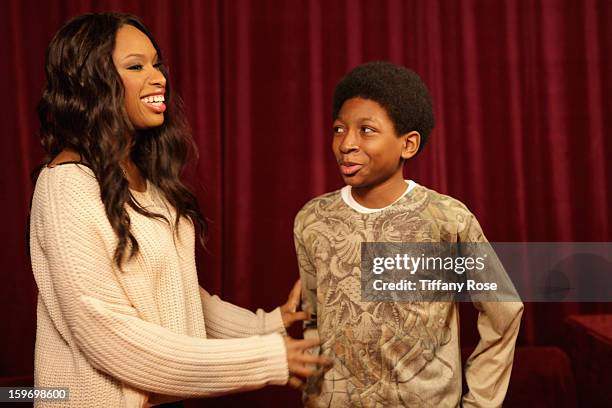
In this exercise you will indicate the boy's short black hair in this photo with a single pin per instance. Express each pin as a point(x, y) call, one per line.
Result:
point(397, 89)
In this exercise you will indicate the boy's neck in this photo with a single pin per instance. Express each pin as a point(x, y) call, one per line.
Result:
point(381, 195)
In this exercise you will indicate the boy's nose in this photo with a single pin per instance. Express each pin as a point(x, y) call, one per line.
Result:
point(349, 142)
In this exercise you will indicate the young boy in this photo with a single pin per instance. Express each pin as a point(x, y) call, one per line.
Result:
point(389, 354)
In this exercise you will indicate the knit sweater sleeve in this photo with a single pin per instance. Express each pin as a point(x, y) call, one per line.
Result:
point(225, 320)
point(97, 316)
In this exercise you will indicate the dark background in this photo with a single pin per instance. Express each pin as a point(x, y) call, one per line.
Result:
point(519, 91)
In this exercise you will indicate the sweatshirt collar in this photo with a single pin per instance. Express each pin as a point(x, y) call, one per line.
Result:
point(347, 197)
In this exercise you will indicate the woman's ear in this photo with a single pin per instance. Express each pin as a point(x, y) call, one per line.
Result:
point(410, 144)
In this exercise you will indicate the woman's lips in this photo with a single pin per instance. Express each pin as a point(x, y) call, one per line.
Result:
point(349, 169)
point(159, 108)
point(155, 103)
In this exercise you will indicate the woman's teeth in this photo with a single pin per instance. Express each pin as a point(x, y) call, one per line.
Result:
point(154, 100)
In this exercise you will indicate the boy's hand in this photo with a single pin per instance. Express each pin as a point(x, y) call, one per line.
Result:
point(288, 310)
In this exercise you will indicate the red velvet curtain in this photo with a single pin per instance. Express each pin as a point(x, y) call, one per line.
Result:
point(518, 90)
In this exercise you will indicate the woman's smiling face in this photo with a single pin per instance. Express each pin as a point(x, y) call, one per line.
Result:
point(144, 84)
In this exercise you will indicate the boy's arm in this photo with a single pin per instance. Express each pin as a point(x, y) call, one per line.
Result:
point(488, 369)
point(308, 277)
point(309, 282)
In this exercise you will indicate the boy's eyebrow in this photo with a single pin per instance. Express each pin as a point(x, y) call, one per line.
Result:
point(371, 119)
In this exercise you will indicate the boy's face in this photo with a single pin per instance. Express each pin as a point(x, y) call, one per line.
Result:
point(366, 146)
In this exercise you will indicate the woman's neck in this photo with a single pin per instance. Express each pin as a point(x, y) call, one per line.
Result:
point(133, 175)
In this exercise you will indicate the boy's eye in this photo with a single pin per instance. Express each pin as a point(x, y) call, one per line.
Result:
point(158, 65)
point(365, 129)
point(338, 129)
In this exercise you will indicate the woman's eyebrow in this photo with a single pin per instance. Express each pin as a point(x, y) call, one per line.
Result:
point(139, 55)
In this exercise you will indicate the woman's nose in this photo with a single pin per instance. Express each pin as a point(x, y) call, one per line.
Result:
point(157, 78)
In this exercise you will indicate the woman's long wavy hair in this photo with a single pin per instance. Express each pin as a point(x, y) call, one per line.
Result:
point(82, 108)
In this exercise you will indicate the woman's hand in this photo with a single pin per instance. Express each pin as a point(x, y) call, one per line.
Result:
point(302, 365)
point(288, 310)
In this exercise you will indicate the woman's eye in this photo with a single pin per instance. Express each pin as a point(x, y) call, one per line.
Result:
point(159, 65)
point(136, 67)
point(338, 129)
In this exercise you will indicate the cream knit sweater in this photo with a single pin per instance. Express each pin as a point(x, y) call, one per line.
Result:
point(135, 337)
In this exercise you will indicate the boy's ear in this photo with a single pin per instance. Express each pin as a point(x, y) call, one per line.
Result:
point(410, 144)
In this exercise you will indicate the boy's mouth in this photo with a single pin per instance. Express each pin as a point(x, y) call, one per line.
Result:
point(350, 168)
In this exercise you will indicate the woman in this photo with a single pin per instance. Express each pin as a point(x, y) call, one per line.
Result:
point(122, 321)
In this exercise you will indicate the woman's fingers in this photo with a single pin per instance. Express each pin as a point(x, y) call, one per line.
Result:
point(302, 371)
point(310, 359)
point(291, 317)
point(299, 316)
point(305, 372)
point(288, 310)
point(295, 295)
point(295, 382)
point(302, 364)
point(301, 344)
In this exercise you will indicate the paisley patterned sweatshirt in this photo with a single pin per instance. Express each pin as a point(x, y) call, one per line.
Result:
point(394, 354)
